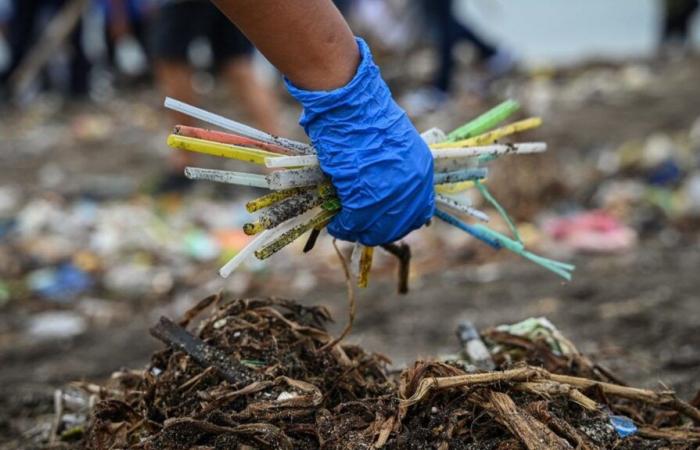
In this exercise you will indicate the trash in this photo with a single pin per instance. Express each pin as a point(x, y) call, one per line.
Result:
point(62, 283)
point(261, 362)
point(624, 426)
point(592, 231)
point(291, 211)
point(56, 325)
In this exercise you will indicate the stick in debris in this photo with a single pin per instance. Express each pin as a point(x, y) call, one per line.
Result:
point(403, 253)
point(180, 339)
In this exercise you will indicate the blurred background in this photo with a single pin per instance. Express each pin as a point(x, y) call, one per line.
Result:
point(100, 233)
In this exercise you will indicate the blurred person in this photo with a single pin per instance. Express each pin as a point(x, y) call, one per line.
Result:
point(380, 167)
point(177, 24)
point(125, 30)
point(676, 21)
point(24, 26)
point(450, 31)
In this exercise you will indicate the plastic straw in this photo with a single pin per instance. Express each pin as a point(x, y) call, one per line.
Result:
point(503, 213)
point(292, 234)
point(498, 149)
point(492, 136)
point(226, 176)
point(291, 161)
point(283, 211)
point(246, 252)
point(251, 155)
point(236, 127)
point(485, 122)
point(433, 136)
point(287, 179)
point(272, 198)
point(460, 175)
point(454, 188)
point(441, 153)
point(461, 207)
point(365, 266)
point(560, 268)
point(227, 138)
point(472, 230)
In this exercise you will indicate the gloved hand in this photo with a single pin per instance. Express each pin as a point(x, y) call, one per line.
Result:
point(381, 168)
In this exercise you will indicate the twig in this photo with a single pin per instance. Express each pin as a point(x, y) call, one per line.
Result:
point(351, 301)
point(198, 308)
point(533, 433)
point(403, 253)
point(207, 356)
point(667, 398)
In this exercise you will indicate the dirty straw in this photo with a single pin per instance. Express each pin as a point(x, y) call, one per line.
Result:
point(301, 198)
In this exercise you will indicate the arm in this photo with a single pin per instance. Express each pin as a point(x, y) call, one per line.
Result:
point(307, 40)
point(380, 167)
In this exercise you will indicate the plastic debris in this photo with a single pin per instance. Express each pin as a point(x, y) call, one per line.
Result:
point(302, 187)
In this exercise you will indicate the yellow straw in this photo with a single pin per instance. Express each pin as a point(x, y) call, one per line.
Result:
point(365, 266)
point(493, 136)
point(453, 188)
point(190, 144)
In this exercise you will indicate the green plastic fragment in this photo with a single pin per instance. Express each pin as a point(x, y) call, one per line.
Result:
point(485, 122)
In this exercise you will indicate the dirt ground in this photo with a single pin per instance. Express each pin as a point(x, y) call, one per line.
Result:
point(637, 313)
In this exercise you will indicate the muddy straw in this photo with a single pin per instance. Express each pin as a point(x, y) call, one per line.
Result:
point(461, 207)
point(450, 152)
point(303, 198)
point(291, 235)
point(283, 211)
point(227, 177)
point(493, 136)
point(460, 175)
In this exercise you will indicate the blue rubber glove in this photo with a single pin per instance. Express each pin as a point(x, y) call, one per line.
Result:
point(381, 168)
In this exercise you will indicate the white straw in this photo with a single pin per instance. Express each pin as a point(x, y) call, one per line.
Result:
point(241, 256)
point(501, 149)
point(291, 161)
point(264, 237)
point(461, 207)
point(287, 179)
point(236, 127)
point(228, 177)
point(440, 153)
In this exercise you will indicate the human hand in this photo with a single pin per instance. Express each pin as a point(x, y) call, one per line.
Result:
point(380, 167)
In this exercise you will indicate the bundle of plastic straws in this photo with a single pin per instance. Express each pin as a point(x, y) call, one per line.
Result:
point(302, 198)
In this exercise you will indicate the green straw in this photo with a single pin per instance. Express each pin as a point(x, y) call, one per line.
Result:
point(485, 122)
point(501, 210)
point(559, 268)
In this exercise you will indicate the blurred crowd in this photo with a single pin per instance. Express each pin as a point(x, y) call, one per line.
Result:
point(109, 44)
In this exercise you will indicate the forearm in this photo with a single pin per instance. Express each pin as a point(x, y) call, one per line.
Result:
point(307, 40)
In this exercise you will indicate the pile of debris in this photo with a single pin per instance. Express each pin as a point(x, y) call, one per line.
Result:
point(264, 373)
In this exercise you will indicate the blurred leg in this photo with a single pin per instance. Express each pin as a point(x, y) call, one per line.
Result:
point(175, 80)
point(20, 32)
point(259, 101)
point(172, 29)
point(79, 63)
point(235, 54)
